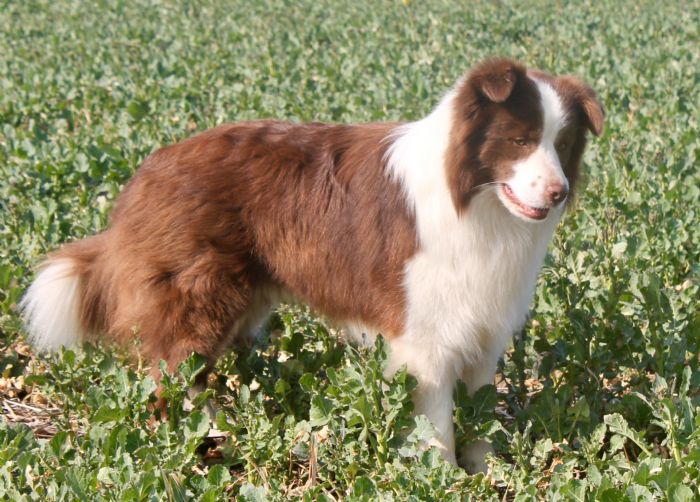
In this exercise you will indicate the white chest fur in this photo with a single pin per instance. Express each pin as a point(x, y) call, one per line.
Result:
point(470, 286)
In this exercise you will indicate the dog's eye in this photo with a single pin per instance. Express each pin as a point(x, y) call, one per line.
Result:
point(519, 141)
point(562, 145)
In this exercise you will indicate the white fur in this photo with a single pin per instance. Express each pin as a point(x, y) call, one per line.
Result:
point(50, 306)
point(359, 332)
point(470, 284)
point(554, 113)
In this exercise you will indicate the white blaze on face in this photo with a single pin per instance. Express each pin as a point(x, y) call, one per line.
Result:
point(527, 192)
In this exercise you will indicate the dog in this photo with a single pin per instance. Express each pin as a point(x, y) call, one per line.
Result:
point(429, 232)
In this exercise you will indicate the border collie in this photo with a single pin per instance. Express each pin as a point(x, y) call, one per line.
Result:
point(430, 233)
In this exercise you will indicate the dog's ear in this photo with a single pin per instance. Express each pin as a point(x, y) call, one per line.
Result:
point(593, 111)
point(495, 79)
point(585, 99)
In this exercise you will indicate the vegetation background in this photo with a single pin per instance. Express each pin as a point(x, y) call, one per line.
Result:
point(597, 399)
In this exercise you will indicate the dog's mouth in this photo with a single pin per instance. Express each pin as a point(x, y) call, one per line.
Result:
point(533, 213)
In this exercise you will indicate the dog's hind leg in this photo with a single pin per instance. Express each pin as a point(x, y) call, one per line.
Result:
point(200, 308)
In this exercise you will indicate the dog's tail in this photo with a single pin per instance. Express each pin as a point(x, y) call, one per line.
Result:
point(65, 303)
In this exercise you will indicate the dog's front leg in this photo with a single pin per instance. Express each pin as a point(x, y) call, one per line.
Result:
point(433, 395)
point(473, 456)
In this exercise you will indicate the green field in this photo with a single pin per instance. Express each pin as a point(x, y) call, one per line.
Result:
point(598, 399)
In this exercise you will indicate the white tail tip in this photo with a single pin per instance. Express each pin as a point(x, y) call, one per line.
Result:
point(50, 306)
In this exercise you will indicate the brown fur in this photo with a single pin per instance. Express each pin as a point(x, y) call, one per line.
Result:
point(208, 226)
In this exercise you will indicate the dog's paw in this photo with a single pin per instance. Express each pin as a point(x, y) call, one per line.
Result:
point(473, 457)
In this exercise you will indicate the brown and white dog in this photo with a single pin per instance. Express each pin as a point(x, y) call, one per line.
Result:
point(430, 233)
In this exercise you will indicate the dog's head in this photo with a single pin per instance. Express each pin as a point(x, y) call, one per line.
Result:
point(522, 133)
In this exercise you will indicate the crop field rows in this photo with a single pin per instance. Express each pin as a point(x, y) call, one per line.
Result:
point(598, 397)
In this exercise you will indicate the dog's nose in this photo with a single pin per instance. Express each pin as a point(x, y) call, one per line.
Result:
point(557, 192)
